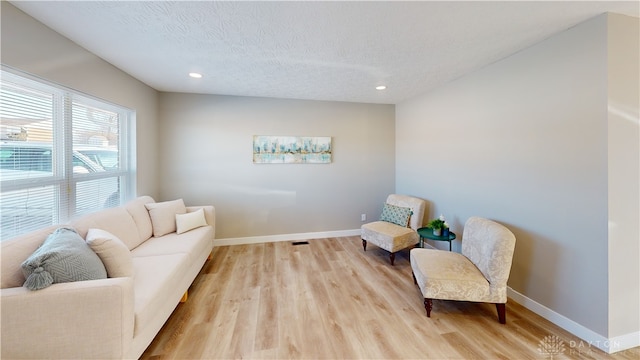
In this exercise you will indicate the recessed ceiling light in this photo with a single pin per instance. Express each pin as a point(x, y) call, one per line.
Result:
point(380, 87)
point(195, 75)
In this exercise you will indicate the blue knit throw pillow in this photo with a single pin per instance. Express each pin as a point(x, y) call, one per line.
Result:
point(396, 214)
point(63, 257)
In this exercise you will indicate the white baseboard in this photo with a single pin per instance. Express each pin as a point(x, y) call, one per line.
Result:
point(285, 237)
point(625, 342)
point(589, 337)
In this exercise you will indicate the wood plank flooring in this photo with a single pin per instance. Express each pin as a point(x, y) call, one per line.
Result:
point(331, 300)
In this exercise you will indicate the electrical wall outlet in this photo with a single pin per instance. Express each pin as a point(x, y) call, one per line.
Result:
point(363, 217)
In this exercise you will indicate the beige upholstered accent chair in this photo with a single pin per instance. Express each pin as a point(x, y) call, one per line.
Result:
point(391, 236)
point(478, 274)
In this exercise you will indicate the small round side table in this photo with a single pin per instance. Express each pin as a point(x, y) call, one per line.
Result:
point(427, 233)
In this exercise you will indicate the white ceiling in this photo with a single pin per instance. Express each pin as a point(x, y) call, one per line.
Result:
point(309, 50)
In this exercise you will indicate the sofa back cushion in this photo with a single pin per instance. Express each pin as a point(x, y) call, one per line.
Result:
point(116, 220)
point(140, 216)
point(15, 251)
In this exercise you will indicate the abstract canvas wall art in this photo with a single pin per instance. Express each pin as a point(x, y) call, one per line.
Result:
point(291, 149)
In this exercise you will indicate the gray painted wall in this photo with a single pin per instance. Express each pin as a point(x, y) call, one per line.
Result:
point(30, 46)
point(206, 157)
point(524, 142)
point(624, 174)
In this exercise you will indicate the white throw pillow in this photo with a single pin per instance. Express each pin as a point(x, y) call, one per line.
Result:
point(190, 221)
point(114, 254)
point(163, 216)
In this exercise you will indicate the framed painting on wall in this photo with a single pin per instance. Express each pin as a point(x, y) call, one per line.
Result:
point(269, 149)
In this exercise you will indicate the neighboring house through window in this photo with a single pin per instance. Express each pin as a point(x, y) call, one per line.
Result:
point(62, 154)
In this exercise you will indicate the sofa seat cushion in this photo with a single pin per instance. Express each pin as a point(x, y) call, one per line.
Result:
point(449, 275)
point(388, 236)
point(192, 243)
point(155, 282)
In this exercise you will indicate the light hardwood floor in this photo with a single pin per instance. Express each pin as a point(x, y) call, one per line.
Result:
point(331, 300)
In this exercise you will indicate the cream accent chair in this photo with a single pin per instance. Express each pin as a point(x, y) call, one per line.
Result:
point(392, 237)
point(479, 274)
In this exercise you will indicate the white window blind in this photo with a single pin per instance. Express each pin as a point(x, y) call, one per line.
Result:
point(62, 154)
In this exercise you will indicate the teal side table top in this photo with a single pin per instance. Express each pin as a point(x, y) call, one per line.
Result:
point(427, 233)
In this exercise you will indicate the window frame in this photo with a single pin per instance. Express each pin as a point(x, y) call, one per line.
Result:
point(62, 177)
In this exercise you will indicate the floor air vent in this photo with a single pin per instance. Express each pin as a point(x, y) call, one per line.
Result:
point(300, 243)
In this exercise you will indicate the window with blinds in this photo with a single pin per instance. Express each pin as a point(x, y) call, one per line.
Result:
point(62, 154)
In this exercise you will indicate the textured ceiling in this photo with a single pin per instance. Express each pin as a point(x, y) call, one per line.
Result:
point(309, 50)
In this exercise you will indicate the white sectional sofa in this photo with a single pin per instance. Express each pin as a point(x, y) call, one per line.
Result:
point(116, 317)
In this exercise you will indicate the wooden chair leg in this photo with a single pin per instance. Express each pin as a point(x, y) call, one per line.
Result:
point(392, 258)
point(364, 244)
point(428, 305)
point(502, 313)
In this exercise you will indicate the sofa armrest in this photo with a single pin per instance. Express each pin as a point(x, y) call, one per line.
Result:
point(82, 320)
point(209, 214)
